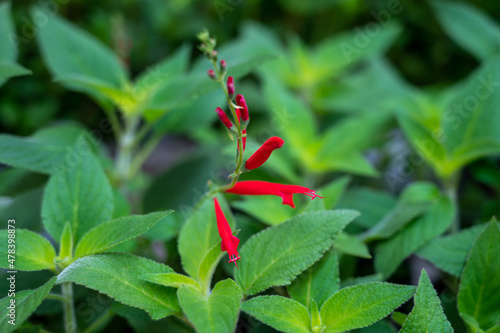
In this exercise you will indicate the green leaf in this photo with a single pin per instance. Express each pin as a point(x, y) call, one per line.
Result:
point(26, 302)
point(427, 314)
point(390, 253)
point(282, 314)
point(360, 280)
point(352, 245)
point(66, 243)
point(46, 151)
point(170, 279)
point(208, 265)
point(362, 305)
point(58, 40)
point(32, 251)
point(333, 191)
point(8, 45)
point(216, 312)
point(118, 276)
point(317, 283)
point(449, 253)
point(265, 209)
point(478, 297)
point(80, 195)
point(275, 256)
point(10, 69)
point(200, 234)
point(114, 232)
point(469, 28)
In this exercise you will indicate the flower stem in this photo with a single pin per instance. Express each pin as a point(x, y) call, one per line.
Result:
point(451, 191)
point(69, 310)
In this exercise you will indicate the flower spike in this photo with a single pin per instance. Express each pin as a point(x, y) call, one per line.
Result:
point(262, 154)
point(286, 192)
point(229, 242)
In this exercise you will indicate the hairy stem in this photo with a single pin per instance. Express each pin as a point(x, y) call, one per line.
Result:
point(451, 191)
point(69, 309)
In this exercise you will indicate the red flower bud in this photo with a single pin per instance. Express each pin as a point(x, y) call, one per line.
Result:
point(223, 64)
point(211, 73)
point(240, 101)
point(262, 154)
point(230, 86)
point(223, 117)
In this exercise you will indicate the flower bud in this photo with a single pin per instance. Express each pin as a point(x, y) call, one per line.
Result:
point(211, 74)
point(223, 64)
point(230, 87)
point(262, 154)
point(240, 101)
point(224, 118)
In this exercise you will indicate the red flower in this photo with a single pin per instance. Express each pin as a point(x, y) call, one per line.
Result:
point(223, 117)
point(256, 187)
point(262, 154)
point(229, 242)
point(230, 86)
point(240, 101)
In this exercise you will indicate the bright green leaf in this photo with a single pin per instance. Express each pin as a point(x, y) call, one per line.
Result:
point(118, 276)
point(282, 314)
point(362, 305)
point(317, 283)
point(352, 245)
point(114, 232)
point(478, 296)
point(208, 265)
point(32, 251)
point(66, 243)
point(427, 314)
point(214, 313)
point(170, 279)
point(275, 256)
point(26, 302)
point(266, 209)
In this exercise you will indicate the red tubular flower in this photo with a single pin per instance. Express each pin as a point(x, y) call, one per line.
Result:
point(230, 86)
point(262, 154)
point(229, 242)
point(223, 117)
point(256, 187)
point(240, 101)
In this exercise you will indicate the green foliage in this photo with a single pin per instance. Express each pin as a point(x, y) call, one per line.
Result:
point(317, 283)
point(478, 299)
point(26, 303)
point(32, 251)
point(362, 305)
point(117, 275)
point(80, 195)
point(216, 312)
point(288, 249)
point(449, 253)
point(283, 314)
point(114, 232)
point(469, 27)
point(427, 314)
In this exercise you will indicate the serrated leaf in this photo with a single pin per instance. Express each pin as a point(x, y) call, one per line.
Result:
point(469, 27)
point(32, 251)
point(46, 151)
point(118, 276)
point(389, 254)
point(361, 280)
point(80, 195)
point(58, 40)
point(170, 279)
point(449, 253)
point(478, 296)
point(66, 243)
point(362, 305)
point(114, 232)
point(282, 314)
point(214, 313)
point(275, 256)
point(199, 234)
point(208, 265)
point(427, 314)
point(317, 283)
point(26, 302)
point(265, 209)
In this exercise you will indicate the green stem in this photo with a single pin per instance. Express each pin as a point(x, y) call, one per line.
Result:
point(115, 123)
point(144, 153)
point(451, 191)
point(69, 310)
point(58, 297)
point(125, 150)
point(106, 316)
